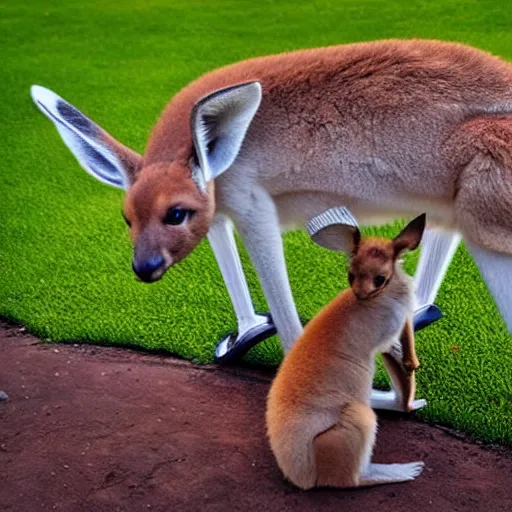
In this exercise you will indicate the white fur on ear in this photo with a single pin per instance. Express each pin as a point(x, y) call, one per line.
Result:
point(219, 123)
point(335, 229)
point(85, 139)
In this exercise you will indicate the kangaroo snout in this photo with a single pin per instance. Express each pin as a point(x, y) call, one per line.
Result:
point(149, 269)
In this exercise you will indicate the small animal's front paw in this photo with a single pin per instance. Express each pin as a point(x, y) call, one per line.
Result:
point(411, 364)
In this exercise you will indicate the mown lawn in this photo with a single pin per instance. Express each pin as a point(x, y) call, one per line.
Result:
point(64, 249)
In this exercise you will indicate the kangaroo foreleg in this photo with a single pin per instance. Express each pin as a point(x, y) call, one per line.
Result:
point(252, 327)
point(401, 362)
point(223, 243)
point(409, 359)
point(259, 228)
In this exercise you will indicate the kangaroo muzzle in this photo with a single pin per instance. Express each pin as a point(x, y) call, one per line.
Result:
point(150, 261)
point(150, 269)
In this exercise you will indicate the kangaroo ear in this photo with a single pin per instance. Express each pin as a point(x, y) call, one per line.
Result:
point(410, 237)
point(219, 123)
point(335, 229)
point(96, 151)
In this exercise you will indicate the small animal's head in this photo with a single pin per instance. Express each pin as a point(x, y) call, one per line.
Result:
point(372, 260)
point(168, 205)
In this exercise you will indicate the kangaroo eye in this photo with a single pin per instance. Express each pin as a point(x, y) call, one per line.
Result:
point(378, 281)
point(175, 216)
point(351, 278)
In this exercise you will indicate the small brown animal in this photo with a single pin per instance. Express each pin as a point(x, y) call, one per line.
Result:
point(319, 421)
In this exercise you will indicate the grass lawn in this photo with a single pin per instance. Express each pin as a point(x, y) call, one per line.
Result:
point(65, 254)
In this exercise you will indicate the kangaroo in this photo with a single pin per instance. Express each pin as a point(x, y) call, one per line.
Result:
point(319, 421)
point(389, 129)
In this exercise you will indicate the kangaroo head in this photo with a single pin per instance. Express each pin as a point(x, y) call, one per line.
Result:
point(372, 260)
point(168, 216)
point(168, 205)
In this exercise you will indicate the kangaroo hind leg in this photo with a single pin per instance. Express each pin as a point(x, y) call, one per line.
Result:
point(378, 474)
point(344, 450)
point(259, 228)
point(484, 206)
point(496, 269)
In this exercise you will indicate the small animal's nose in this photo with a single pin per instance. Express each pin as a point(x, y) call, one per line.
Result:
point(146, 268)
point(361, 295)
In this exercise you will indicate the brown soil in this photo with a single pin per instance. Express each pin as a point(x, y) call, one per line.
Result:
point(102, 429)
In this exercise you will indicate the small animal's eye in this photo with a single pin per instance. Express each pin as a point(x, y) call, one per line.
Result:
point(175, 216)
point(351, 278)
point(378, 281)
point(126, 219)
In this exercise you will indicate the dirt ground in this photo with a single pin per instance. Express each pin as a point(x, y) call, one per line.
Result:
point(102, 429)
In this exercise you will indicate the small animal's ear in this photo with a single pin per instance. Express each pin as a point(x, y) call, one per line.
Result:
point(335, 229)
point(219, 123)
point(96, 151)
point(410, 237)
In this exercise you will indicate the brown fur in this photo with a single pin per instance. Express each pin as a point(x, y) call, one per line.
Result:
point(148, 201)
point(402, 365)
point(374, 257)
point(319, 421)
point(395, 73)
point(401, 127)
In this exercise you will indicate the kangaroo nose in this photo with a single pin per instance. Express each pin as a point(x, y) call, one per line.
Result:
point(146, 268)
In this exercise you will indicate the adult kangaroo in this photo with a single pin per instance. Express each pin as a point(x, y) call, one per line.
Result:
point(388, 129)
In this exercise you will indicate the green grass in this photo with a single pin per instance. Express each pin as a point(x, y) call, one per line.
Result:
point(64, 249)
